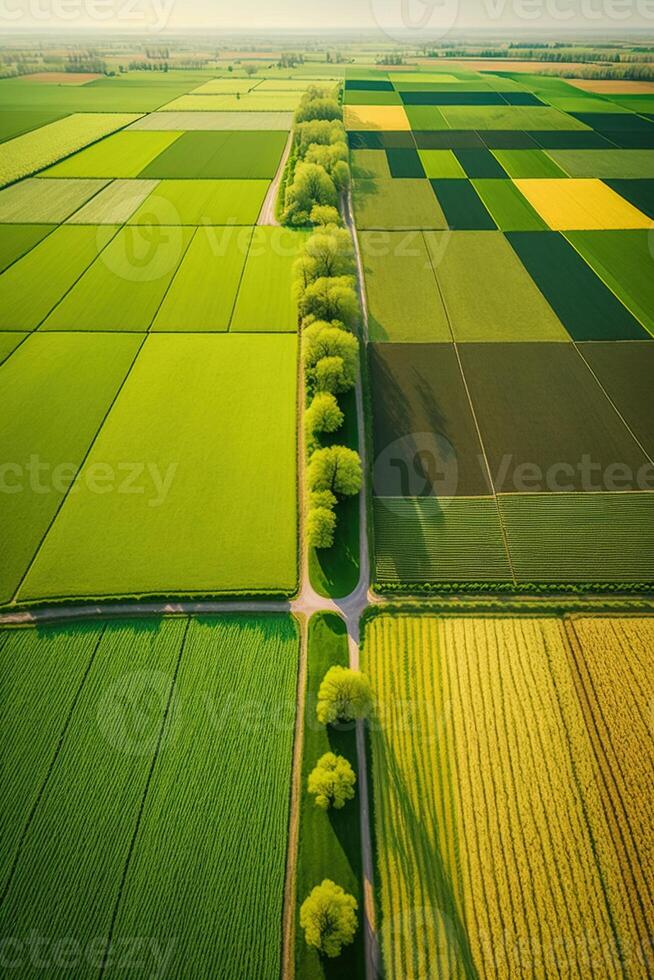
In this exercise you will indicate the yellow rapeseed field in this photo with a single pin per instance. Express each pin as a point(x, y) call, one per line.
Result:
point(363, 117)
point(512, 765)
point(580, 204)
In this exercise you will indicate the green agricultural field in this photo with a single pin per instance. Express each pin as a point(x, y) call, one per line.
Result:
point(528, 163)
point(197, 202)
point(9, 342)
point(487, 292)
point(251, 102)
point(623, 260)
point(203, 292)
point(17, 240)
point(124, 154)
point(114, 204)
point(199, 121)
point(185, 396)
point(266, 299)
point(179, 800)
point(396, 204)
point(77, 377)
point(55, 263)
point(26, 154)
point(506, 205)
point(580, 537)
point(625, 373)
point(404, 303)
point(234, 155)
point(124, 287)
point(427, 540)
point(42, 201)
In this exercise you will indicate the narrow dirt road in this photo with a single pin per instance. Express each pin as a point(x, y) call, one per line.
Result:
point(267, 213)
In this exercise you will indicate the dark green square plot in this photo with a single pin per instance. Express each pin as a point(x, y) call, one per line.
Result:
point(448, 139)
point(639, 192)
point(508, 139)
point(613, 122)
point(404, 162)
point(480, 163)
point(364, 140)
point(368, 84)
point(583, 139)
point(397, 139)
point(522, 98)
point(632, 139)
point(452, 98)
point(584, 304)
point(461, 205)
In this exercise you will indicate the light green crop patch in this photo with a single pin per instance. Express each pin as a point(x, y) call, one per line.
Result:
point(198, 202)
point(250, 102)
point(630, 164)
point(266, 300)
point(73, 379)
point(17, 240)
point(203, 292)
point(397, 204)
point(213, 416)
point(26, 154)
point(404, 304)
point(124, 287)
point(507, 206)
point(55, 264)
point(441, 163)
point(121, 155)
point(114, 205)
point(528, 163)
point(508, 117)
point(43, 200)
point(488, 293)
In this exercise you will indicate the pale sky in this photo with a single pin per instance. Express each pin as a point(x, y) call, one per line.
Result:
point(414, 20)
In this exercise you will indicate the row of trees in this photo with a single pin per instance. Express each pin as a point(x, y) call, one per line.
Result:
point(328, 306)
point(328, 914)
point(329, 309)
point(318, 169)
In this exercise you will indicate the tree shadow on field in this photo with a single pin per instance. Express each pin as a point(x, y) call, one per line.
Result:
point(410, 843)
point(345, 823)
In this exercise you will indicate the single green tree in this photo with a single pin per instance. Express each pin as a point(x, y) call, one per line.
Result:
point(320, 131)
point(332, 781)
point(329, 252)
point(311, 185)
point(320, 527)
point(323, 215)
point(322, 498)
point(331, 298)
point(323, 414)
point(328, 917)
point(318, 108)
point(335, 468)
point(344, 695)
point(320, 341)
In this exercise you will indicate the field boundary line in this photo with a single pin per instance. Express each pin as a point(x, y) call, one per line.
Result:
point(137, 824)
point(614, 407)
point(51, 767)
point(238, 289)
point(77, 279)
point(491, 484)
point(293, 836)
point(154, 316)
point(80, 467)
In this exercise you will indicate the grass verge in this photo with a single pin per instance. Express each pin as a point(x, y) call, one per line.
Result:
point(329, 843)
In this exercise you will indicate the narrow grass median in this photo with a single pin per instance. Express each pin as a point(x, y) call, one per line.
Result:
point(329, 841)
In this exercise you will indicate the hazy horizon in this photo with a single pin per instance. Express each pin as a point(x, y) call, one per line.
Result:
point(413, 20)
